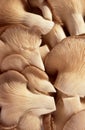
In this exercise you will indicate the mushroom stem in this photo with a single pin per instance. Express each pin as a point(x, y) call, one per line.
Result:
point(54, 36)
point(76, 24)
point(34, 20)
point(46, 11)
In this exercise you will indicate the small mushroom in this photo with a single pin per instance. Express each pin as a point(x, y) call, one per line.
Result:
point(76, 122)
point(68, 59)
point(16, 99)
point(25, 42)
point(71, 14)
point(12, 12)
point(38, 81)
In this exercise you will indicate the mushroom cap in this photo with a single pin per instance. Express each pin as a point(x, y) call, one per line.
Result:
point(15, 98)
point(38, 80)
point(68, 59)
point(25, 42)
point(14, 62)
point(76, 122)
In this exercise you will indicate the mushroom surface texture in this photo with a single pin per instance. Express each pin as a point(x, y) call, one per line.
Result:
point(68, 58)
point(24, 85)
point(42, 65)
point(22, 44)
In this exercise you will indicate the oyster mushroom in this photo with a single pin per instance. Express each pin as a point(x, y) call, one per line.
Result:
point(38, 81)
point(66, 107)
point(68, 59)
point(16, 99)
point(22, 45)
point(76, 122)
point(12, 12)
point(71, 14)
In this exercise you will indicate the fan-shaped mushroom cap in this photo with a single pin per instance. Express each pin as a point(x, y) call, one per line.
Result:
point(15, 62)
point(68, 59)
point(38, 80)
point(15, 98)
point(25, 42)
point(76, 122)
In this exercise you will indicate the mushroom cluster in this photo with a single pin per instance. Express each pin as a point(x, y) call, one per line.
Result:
point(42, 65)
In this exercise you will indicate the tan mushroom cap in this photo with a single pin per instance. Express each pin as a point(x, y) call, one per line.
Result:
point(38, 80)
point(68, 59)
point(15, 62)
point(76, 122)
point(23, 41)
point(15, 98)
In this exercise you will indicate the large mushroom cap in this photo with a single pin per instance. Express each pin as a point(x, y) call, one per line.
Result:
point(68, 59)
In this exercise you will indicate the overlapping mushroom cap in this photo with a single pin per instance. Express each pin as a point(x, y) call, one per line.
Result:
point(24, 86)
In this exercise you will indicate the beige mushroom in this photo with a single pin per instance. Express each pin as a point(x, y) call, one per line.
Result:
point(16, 99)
point(71, 14)
point(65, 108)
point(68, 59)
point(38, 80)
point(24, 42)
point(12, 12)
point(15, 62)
point(76, 122)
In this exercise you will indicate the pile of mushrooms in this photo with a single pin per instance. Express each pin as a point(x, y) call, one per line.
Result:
point(42, 65)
